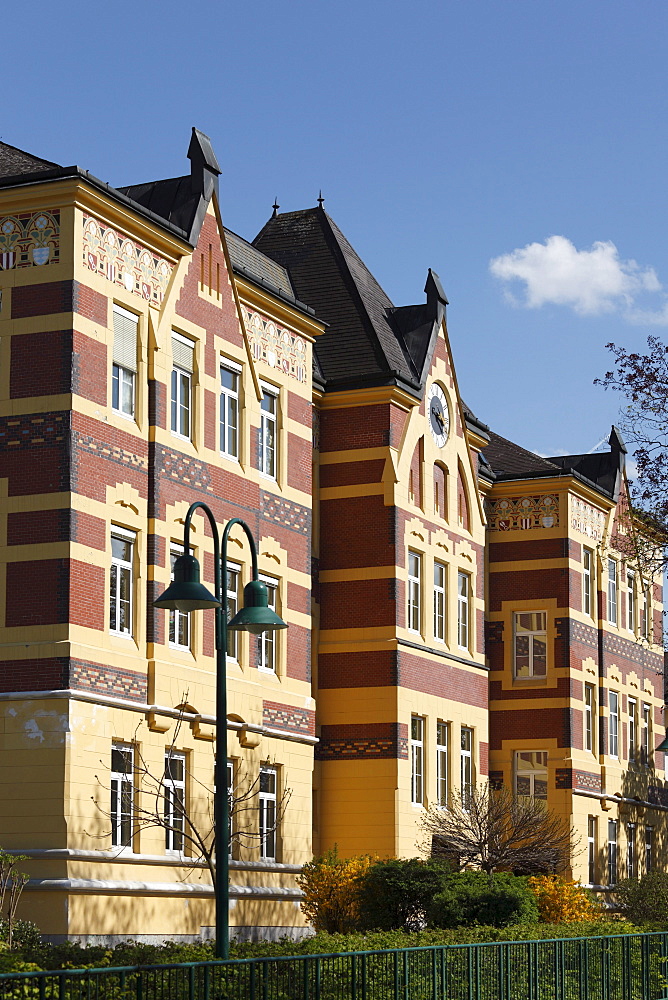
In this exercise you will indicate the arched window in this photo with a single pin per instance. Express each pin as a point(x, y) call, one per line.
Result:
point(463, 512)
point(415, 475)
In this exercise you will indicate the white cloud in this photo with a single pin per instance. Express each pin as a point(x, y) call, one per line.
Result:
point(590, 282)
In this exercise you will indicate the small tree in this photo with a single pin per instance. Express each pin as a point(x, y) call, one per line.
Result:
point(12, 884)
point(397, 892)
point(561, 900)
point(644, 901)
point(495, 830)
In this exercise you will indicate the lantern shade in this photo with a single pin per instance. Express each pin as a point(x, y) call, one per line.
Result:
point(185, 593)
point(256, 616)
point(663, 745)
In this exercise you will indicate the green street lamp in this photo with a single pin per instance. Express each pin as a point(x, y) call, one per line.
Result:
point(663, 745)
point(186, 593)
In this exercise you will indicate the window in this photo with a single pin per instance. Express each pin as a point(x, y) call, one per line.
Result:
point(587, 580)
point(121, 582)
point(633, 726)
point(631, 601)
point(229, 411)
point(122, 794)
point(531, 773)
point(268, 438)
point(230, 806)
point(179, 621)
point(644, 615)
point(442, 768)
point(613, 723)
point(268, 817)
point(124, 362)
point(590, 717)
point(631, 857)
point(530, 644)
point(417, 760)
point(439, 601)
point(266, 641)
point(646, 736)
point(175, 800)
point(466, 765)
point(612, 591)
point(183, 352)
point(463, 585)
point(612, 852)
point(414, 588)
point(592, 849)
point(649, 848)
point(233, 579)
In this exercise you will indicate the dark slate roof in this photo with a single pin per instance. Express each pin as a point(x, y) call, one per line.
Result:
point(508, 459)
point(368, 341)
point(248, 258)
point(172, 199)
point(14, 161)
point(603, 468)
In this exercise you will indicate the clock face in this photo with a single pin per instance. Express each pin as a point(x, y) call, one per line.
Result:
point(438, 415)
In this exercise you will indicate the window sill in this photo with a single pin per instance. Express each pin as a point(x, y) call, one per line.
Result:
point(124, 416)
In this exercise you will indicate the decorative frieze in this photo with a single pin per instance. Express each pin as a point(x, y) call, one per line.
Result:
point(587, 520)
point(277, 346)
point(29, 239)
point(124, 262)
point(523, 513)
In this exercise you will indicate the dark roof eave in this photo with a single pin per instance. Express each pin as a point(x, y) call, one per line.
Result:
point(371, 382)
point(280, 293)
point(62, 173)
point(477, 426)
point(509, 477)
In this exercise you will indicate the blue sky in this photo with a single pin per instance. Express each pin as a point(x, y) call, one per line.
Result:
point(444, 135)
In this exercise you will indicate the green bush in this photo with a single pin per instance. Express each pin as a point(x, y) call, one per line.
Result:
point(646, 900)
point(476, 898)
point(397, 892)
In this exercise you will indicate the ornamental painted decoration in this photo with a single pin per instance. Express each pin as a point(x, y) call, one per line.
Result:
point(277, 346)
point(29, 239)
point(124, 262)
point(523, 513)
point(587, 520)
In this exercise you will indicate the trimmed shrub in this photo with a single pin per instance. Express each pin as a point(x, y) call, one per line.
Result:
point(560, 900)
point(396, 893)
point(332, 891)
point(476, 898)
point(646, 900)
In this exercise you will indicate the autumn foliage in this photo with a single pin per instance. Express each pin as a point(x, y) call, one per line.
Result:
point(560, 900)
point(332, 888)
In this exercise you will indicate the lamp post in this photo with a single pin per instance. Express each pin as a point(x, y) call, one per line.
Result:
point(186, 593)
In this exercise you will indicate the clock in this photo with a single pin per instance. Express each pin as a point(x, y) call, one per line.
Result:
point(438, 415)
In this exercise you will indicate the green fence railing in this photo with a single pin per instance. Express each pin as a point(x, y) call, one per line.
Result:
point(624, 967)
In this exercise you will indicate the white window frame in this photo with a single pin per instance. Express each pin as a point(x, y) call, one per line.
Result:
point(463, 609)
point(533, 636)
point(267, 455)
point(229, 405)
point(613, 572)
point(590, 718)
point(232, 606)
point(466, 768)
point(592, 838)
point(613, 724)
point(587, 580)
point(182, 395)
point(646, 735)
point(631, 851)
point(417, 759)
point(268, 818)
point(442, 764)
point(414, 595)
point(122, 376)
point(229, 774)
point(631, 623)
point(174, 802)
point(613, 872)
point(533, 771)
point(120, 570)
point(649, 849)
point(440, 590)
point(122, 787)
point(632, 705)
point(267, 646)
point(179, 621)
point(646, 612)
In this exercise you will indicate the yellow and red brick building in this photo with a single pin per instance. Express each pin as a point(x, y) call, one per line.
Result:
point(148, 358)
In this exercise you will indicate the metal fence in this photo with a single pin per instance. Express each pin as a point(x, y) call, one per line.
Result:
point(625, 967)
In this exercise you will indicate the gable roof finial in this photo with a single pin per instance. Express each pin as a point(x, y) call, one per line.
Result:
point(275, 207)
point(321, 200)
